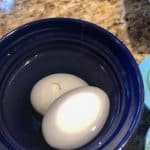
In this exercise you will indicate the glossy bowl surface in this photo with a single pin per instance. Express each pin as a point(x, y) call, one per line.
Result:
point(63, 45)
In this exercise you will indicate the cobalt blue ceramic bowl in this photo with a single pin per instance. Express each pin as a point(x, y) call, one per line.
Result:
point(58, 45)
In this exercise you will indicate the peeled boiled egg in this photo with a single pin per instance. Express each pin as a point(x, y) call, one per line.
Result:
point(75, 118)
point(49, 88)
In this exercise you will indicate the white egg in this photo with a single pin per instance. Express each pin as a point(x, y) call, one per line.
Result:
point(75, 118)
point(51, 87)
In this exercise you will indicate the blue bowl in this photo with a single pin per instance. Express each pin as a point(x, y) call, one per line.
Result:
point(49, 46)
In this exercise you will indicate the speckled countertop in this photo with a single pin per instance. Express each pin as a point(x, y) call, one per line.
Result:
point(129, 20)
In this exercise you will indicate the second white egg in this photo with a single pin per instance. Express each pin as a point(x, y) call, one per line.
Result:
point(49, 88)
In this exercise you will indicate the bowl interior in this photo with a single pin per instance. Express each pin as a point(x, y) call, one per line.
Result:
point(35, 57)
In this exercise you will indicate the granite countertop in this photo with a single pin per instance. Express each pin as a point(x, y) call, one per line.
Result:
point(129, 20)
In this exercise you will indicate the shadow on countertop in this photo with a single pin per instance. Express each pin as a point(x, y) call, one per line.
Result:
point(137, 17)
point(137, 142)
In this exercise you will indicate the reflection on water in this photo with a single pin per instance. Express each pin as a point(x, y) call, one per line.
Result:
point(6, 5)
